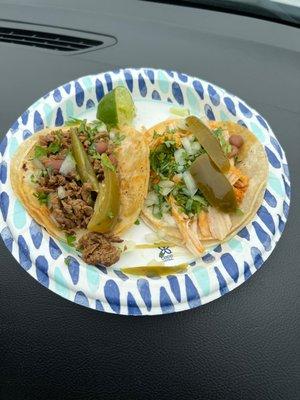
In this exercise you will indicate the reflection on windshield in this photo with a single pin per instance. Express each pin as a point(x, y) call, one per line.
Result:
point(284, 11)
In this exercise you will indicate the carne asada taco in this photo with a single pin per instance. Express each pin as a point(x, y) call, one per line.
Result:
point(206, 181)
point(79, 182)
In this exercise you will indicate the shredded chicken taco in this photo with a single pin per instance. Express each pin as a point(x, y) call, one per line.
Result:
point(79, 182)
point(206, 181)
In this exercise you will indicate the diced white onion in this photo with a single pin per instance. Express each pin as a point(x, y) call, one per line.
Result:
point(179, 156)
point(165, 191)
point(195, 147)
point(61, 192)
point(151, 199)
point(187, 145)
point(68, 165)
point(181, 124)
point(166, 184)
point(189, 182)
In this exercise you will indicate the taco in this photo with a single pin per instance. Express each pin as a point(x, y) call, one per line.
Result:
point(80, 184)
point(206, 181)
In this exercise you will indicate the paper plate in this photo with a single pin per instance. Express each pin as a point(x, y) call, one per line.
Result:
point(220, 270)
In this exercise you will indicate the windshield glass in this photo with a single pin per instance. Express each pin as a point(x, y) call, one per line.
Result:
point(284, 11)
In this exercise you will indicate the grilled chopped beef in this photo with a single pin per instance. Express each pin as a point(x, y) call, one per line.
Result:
point(97, 248)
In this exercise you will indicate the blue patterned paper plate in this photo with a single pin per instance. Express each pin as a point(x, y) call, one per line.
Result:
point(220, 270)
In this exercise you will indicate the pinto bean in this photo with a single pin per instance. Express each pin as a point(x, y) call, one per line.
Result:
point(236, 140)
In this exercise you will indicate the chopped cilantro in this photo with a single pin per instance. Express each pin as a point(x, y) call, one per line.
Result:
point(239, 212)
point(189, 204)
point(39, 151)
point(106, 162)
point(118, 139)
point(137, 222)
point(33, 178)
point(162, 160)
point(73, 121)
point(155, 134)
point(42, 197)
point(226, 147)
point(110, 215)
point(54, 148)
point(70, 239)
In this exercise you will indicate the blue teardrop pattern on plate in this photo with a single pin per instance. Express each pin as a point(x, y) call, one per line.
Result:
point(163, 82)
point(218, 249)
point(192, 294)
point(150, 74)
point(272, 158)
point(222, 282)
point(73, 268)
point(108, 81)
point(57, 96)
point(81, 299)
point(230, 265)
point(112, 295)
point(26, 134)
point(209, 112)
point(59, 120)
point(213, 95)
point(182, 77)
point(133, 308)
point(36, 234)
point(203, 279)
point(262, 121)
point(198, 88)
point(13, 146)
point(166, 304)
point(24, 117)
point(258, 132)
point(169, 100)
point(142, 86)
point(170, 73)
point(177, 93)
point(14, 126)
point(7, 238)
point(155, 95)
point(262, 235)
point(67, 88)
point(230, 105)
point(266, 217)
point(128, 79)
point(102, 269)
point(193, 101)
point(79, 94)
point(38, 123)
point(3, 145)
point(208, 258)
point(286, 187)
point(99, 305)
point(285, 209)
point(3, 172)
point(121, 275)
point(281, 224)
point(244, 233)
point(89, 104)
point(99, 90)
point(245, 110)
point(286, 170)
point(54, 250)
point(247, 272)
point(270, 199)
point(4, 204)
point(242, 123)
point(144, 290)
point(256, 256)
point(24, 255)
point(174, 285)
point(276, 146)
point(42, 270)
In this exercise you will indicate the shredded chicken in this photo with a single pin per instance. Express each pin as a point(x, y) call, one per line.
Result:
point(188, 229)
point(204, 225)
point(219, 223)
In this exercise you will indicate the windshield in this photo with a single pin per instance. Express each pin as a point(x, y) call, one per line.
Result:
point(284, 11)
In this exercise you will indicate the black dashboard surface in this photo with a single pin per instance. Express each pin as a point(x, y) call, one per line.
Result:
point(244, 345)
